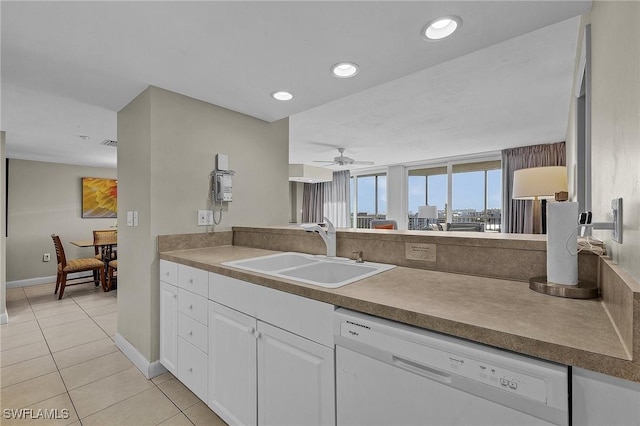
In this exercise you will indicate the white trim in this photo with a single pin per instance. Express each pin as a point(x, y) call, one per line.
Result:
point(149, 369)
point(31, 281)
point(39, 280)
point(4, 318)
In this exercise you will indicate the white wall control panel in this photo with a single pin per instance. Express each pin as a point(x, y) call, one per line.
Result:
point(205, 217)
point(616, 210)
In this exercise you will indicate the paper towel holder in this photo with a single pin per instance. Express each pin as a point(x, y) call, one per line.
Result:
point(582, 290)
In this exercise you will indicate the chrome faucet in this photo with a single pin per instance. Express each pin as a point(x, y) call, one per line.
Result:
point(359, 256)
point(328, 235)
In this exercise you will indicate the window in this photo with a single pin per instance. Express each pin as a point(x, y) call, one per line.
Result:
point(475, 195)
point(370, 196)
point(427, 187)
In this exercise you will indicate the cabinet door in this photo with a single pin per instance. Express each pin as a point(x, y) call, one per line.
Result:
point(169, 327)
point(232, 365)
point(599, 399)
point(295, 379)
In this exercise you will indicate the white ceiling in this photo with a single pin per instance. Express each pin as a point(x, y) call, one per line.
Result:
point(68, 67)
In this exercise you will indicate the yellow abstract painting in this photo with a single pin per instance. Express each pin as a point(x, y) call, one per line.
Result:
point(99, 197)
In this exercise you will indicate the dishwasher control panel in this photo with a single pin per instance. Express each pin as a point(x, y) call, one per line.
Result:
point(498, 377)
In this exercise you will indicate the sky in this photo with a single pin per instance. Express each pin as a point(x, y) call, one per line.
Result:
point(468, 192)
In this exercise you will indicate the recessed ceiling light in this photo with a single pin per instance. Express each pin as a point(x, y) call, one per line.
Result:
point(282, 96)
point(344, 69)
point(441, 27)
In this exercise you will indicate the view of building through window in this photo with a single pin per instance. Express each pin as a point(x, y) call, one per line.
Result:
point(370, 194)
point(476, 195)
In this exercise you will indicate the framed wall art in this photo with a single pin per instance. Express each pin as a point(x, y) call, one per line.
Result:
point(99, 197)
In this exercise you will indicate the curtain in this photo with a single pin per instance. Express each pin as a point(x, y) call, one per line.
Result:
point(337, 198)
point(330, 199)
point(312, 203)
point(517, 215)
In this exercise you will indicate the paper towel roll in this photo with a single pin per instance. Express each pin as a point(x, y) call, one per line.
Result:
point(562, 243)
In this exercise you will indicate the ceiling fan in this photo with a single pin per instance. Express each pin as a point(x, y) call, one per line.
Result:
point(341, 160)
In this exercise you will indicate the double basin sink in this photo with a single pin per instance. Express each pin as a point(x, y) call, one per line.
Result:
point(323, 271)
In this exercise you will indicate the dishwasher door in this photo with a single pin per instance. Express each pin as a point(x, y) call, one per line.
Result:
point(392, 374)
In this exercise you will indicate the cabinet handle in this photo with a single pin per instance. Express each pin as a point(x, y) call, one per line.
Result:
point(173, 296)
point(190, 306)
point(190, 370)
point(257, 334)
point(190, 333)
point(250, 330)
point(190, 280)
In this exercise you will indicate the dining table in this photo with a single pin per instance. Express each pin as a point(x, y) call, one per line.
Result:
point(106, 245)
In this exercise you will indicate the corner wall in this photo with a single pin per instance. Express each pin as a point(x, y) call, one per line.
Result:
point(615, 124)
point(167, 146)
point(615, 118)
point(3, 247)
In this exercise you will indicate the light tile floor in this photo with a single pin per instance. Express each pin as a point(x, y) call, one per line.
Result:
point(60, 355)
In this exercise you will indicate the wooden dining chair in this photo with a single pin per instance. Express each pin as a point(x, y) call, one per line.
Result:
point(112, 274)
point(66, 267)
point(101, 237)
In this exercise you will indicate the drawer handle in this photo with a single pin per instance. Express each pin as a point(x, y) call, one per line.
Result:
point(173, 296)
point(257, 334)
point(190, 370)
point(190, 333)
point(190, 280)
point(190, 306)
point(251, 330)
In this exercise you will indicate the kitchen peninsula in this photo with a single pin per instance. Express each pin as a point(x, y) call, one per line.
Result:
point(469, 287)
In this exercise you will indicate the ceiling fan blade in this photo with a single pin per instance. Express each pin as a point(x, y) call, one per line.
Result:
point(321, 161)
point(364, 163)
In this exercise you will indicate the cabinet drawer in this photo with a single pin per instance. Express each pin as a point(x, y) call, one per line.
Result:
point(168, 272)
point(194, 280)
point(305, 317)
point(192, 331)
point(192, 305)
point(192, 368)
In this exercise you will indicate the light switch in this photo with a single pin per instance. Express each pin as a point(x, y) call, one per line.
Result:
point(135, 218)
point(129, 218)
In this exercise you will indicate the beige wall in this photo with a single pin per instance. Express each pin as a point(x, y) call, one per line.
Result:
point(3, 258)
point(615, 123)
point(45, 199)
point(167, 146)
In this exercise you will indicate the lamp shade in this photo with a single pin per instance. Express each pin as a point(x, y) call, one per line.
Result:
point(309, 174)
point(428, 212)
point(539, 182)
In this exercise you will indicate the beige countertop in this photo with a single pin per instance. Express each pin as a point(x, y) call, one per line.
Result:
point(501, 313)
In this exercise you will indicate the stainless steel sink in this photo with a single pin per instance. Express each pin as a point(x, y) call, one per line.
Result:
point(328, 272)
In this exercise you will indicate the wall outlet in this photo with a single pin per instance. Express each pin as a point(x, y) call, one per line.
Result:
point(46, 257)
point(205, 217)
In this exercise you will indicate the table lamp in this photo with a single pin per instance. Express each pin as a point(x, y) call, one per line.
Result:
point(427, 212)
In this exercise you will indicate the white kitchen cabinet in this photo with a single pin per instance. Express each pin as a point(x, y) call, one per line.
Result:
point(232, 363)
point(598, 399)
point(169, 327)
point(295, 379)
point(261, 372)
point(183, 325)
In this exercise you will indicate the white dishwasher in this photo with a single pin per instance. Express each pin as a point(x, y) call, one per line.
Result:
point(389, 373)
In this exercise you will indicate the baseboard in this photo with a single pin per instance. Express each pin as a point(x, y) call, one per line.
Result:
point(4, 318)
point(39, 280)
point(149, 369)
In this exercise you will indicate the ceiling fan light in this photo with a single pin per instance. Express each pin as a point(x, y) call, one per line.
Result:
point(441, 28)
point(344, 70)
